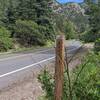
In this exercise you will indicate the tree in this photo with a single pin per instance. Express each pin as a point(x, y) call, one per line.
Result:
point(29, 21)
point(69, 29)
point(5, 40)
point(31, 10)
point(93, 12)
point(25, 10)
point(94, 19)
point(29, 33)
point(44, 17)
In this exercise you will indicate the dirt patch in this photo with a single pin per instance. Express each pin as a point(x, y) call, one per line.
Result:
point(28, 89)
point(89, 45)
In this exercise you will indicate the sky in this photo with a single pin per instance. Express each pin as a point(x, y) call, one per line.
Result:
point(65, 1)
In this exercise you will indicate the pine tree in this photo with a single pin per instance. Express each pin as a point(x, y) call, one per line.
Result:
point(44, 17)
point(10, 13)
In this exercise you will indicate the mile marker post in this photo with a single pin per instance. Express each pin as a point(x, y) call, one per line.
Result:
point(59, 67)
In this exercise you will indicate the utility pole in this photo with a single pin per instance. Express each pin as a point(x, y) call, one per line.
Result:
point(59, 67)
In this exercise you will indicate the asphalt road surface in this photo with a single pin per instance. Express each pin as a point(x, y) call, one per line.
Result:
point(11, 67)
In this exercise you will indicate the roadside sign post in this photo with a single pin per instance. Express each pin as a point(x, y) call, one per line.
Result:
point(59, 67)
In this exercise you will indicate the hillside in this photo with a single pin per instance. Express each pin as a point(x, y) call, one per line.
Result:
point(73, 12)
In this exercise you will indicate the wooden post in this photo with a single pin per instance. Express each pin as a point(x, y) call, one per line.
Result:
point(59, 67)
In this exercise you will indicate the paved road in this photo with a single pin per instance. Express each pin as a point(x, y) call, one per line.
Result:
point(20, 62)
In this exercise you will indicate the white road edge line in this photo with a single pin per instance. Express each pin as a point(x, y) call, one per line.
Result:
point(26, 67)
point(23, 55)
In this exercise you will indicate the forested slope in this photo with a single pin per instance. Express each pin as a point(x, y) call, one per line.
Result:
point(35, 22)
point(28, 22)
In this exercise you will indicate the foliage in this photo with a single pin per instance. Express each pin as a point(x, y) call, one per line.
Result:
point(94, 19)
point(89, 36)
point(85, 83)
point(29, 33)
point(25, 9)
point(47, 84)
point(75, 13)
point(65, 26)
point(97, 45)
point(59, 23)
point(20, 13)
point(48, 24)
point(69, 29)
point(93, 13)
point(87, 86)
point(5, 40)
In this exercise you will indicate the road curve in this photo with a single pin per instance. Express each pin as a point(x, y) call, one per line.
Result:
point(11, 66)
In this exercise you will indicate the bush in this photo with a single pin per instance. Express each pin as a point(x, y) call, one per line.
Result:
point(69, 29)
point(5, 40)
point(48, 24)
point(97, 46)
point(89, 36)
point(85, 81)
point(29, 33)
point(87, 86)
point(47, 84)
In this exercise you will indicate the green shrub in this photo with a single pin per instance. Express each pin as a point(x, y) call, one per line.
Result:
point(69, 30)
point(47, 84)
point(29, 33)
point(89, 36)
point(87, 86)
point(5, 40)
point(97, 45)
point(85, 81)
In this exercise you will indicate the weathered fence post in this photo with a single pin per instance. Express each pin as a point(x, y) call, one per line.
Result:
point(59, 67)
